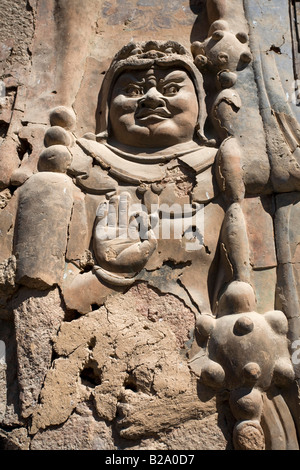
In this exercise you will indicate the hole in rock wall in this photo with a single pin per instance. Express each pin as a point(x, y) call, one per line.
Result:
point(90, 376)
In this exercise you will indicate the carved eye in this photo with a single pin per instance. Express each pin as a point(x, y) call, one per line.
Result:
point(134, 90)
point(171, 89)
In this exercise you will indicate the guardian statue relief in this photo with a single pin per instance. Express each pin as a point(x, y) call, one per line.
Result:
point(173, 304)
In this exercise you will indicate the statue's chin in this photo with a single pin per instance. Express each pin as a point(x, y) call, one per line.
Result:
point(157, 147)
point(153, 131)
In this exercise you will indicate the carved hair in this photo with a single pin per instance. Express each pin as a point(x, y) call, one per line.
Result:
point(142, 56)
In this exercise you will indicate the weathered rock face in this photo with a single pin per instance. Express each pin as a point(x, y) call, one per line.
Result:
point(149, 199)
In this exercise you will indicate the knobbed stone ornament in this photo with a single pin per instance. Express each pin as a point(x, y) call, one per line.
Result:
point(246, 354)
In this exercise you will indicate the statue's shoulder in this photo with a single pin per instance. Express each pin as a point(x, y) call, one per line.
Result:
point(201, 159)
point(122, 166)
point(90, 167)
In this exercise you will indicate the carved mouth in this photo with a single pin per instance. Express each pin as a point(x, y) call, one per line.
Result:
point(146, 113)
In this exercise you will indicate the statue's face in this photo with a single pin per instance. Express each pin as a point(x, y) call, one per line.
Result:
point(153, 108)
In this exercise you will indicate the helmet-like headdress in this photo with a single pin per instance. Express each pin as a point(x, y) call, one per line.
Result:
point(142, 56)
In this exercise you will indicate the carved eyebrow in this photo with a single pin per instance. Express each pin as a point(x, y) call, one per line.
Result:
point(127, 78)
point(176, 76)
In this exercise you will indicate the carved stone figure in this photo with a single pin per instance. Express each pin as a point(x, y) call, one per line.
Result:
point(147, 160)
point(152, 164)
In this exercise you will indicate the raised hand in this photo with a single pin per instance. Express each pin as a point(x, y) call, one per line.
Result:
point(123, 239)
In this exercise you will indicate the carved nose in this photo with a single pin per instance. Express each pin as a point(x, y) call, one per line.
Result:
point(152, 99)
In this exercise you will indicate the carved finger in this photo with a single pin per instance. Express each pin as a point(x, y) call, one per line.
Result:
point(152, 240)
point(102, 210)
point(112, 217)
point(135, 256)
point(124, 204)
point(148, 246)
point(139, 224)
point(101, 221)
